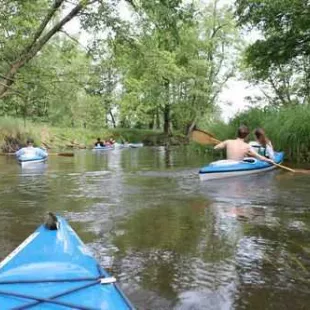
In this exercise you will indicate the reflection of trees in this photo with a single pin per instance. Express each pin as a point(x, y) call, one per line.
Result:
point(169, 247)
point(160, 158)
point(164, 227)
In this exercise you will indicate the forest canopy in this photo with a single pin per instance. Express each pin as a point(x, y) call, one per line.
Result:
point(163, 67)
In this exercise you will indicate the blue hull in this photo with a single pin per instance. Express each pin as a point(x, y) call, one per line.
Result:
point(25, 160)
point(53, 269)
point(135, 145)
point(234, 168)
point(103, 148)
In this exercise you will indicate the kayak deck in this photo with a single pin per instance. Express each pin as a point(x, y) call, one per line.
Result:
point(54, 269)
point(230, 168)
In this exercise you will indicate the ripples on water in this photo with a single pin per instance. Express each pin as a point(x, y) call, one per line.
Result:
point(172, 241)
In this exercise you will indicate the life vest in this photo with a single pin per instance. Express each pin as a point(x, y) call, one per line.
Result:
point(258, 148)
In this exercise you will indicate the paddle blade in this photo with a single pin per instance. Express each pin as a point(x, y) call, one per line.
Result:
point(66, 154)
point(203, 137)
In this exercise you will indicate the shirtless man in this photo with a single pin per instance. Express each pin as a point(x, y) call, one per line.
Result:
point(237, 149)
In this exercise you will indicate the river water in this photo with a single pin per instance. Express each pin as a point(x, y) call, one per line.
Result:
point(172, 241)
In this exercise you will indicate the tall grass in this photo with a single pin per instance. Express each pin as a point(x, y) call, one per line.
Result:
point(14, 132)
point(288, 128)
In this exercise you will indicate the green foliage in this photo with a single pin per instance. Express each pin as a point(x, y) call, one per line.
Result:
point(162, 69)
point(285, 25)
point(52, 89)
point(180, 76)
point(17, 22)
point(280, 58)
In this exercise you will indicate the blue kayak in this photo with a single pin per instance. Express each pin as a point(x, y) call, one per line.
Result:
point(232, 168)
point(128, 145)
point(26, 160)
point(53, 269)
point(103, 148)
point(135, 145)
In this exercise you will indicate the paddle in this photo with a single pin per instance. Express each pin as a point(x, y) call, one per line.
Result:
point(66, 154)
point(204, 137)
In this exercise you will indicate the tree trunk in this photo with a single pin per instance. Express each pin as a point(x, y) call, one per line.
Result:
point(151, 123)
point(112, 119)
point(157, 119)
point(167, 119)
point(191, 127)
point(167, 109)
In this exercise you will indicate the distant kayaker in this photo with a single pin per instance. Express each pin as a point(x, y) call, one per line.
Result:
point(237, 149)
point(109, 142)
point(99, 142)
point(31, 151)
point(263, 146)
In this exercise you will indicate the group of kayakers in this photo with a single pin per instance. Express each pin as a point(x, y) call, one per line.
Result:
point(237, 149)
point(104, 143)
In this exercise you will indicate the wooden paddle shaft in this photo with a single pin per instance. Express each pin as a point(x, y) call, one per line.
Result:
point(284, 167)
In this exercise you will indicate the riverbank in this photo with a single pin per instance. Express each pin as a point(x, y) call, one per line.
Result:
point(288, 128)
point(14, 133)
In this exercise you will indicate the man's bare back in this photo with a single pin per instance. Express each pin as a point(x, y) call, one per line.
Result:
point(236, 149)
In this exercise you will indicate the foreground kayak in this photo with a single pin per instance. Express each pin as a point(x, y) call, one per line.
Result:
point(53, 269)
point(30, 160)
point(232, 168)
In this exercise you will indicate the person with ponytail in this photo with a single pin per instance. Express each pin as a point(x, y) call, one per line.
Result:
point(265, 147)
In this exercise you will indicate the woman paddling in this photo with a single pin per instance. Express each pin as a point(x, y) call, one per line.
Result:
point(264, 146)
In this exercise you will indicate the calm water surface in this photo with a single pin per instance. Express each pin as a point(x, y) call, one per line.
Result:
point(172, 241)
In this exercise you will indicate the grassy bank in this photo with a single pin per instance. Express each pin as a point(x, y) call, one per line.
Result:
point(288, 129)
point(14, 132)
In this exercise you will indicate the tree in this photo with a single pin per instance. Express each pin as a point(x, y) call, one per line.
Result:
point(29, 40)
point(285, 26)
point(27, 26)
point(180, 80)
point(280, 59)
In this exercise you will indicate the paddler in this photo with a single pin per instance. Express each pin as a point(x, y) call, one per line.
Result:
point(99, 142)
point(265, 147)
point(31, 151)
point(237, 149)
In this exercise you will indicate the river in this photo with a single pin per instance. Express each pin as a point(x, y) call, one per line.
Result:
point(172, 241)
